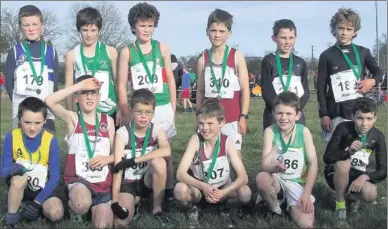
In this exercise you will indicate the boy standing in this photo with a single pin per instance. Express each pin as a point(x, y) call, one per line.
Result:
point(90, 136)
point(32, 65)
point(149, 64)
point(341, 72)
point(186, 89)
point(283, 71)
point(222, 74)
point(289, 163)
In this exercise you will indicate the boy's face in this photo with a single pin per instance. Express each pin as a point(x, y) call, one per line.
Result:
point(218, 34)
point(89, 34)
point(364, 121)
point(32, 28)
point(144, 29)
point(285, 116)
point(285, 40)
point(32, 123)
point(344, 33)
point(142, 114)
point(209, 127)
point(87, 100)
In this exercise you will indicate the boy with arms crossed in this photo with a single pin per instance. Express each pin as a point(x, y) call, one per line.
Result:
point(222, 74)
point(139, 157)
point(289, 163)
point(90, 136)
point(341, 72)
point(285, 63)
point(32, 65)
point(95, 58)
point(30, 164)
point(204, 171)
point(347, 157)
point(149, 64)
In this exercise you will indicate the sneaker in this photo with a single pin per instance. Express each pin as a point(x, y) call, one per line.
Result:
point(76, 218)
point(193, 215)
point(225, 217)
point(162, 218)
point(136, 214)
point(340, 216)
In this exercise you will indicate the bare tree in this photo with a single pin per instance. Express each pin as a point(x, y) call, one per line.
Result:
point(382, 49)
point(114, 32)
point(11, 33)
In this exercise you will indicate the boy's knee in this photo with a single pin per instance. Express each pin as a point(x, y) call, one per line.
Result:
point(263, 180)
point(159, 165)
point(244, 194)
point(53, 209)
point(19, 182)
point(181, 190)
point(81, 199)
point(369, 192)
point(342, 166)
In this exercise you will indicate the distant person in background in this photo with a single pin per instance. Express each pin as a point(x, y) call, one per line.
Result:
point(2, 82)
point(176, 69)
point(186, 88)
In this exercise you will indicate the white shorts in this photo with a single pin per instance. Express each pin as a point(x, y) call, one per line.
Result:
point(164, 117)
point(334, 123)
point(231, 130)
point(292, 191)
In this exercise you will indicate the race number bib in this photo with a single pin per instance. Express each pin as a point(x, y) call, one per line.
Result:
point(84, 170)
point(141, 80)
point(27, 85)
point(344, 86)
point(295, 85)
point(137, 171)
point(360, 159)
point(294, 161)
point(103, 77)
point(37, 177)
point(220, 174)
point(227, 88)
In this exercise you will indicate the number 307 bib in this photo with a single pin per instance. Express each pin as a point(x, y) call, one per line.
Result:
point(227, 88)
point(295, 85)
point(344, 86)
point(141, 80)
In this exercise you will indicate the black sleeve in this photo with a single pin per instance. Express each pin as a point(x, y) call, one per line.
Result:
point(335, 150)
point(56, 70)
point(322, 86)
point(381, 161)
point(371, 64)
point(268, 92)
point(10, 66)
point(305, 84)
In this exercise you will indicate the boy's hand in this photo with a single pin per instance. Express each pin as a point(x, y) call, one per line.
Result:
point(210, 193)
point(219, 194)
point(90, 84)
point(364, 86)
point(17, 170)
point(280, 166)
point(123, 164)
point(242, 126)
point(306, 204)
point(355, 146)
point(32, 211)
point(99, 161)
point(326, 123)
point(357, 184)
point(119, 211)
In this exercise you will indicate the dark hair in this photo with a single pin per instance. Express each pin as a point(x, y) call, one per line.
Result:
point(28, 11)
point(283, 24)
point(143, 96)
point(287, 98)
point(88, 16)
point(211, 108)
point(142, 11)
point(82, 78)
point(220, 16)
point(33, 104)
point(365, 105)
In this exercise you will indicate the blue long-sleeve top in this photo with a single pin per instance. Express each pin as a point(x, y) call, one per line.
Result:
point(32, 144)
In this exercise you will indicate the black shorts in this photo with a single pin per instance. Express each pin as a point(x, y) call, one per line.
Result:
point(137, 188)
point(329, 175)
point(97, 197)
point(113, 115)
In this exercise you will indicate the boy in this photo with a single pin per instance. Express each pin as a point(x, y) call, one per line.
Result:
point(30, 164)
point(32, 65)
point(149, 65)
point(186, 88)
point(204, 171)
point(95, 58)
point(140, 152)
point(341, 72)
point(347, 158)
point(90, 136)
point(222, 73)
point(289, 163)
point(283, 62)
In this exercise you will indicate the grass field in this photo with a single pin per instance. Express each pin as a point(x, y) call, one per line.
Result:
point(372, 215)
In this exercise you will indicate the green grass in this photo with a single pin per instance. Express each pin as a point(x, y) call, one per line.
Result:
point(372, 216)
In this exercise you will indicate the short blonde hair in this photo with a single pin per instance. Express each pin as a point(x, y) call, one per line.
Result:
point(347, 15)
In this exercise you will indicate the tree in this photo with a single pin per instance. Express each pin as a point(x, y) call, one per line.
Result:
point(382, 52)
point(113, 31)
point(11, 33)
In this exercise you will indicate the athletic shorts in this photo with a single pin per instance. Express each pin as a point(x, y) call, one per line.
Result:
point(137, 188)
point(164, 117)
point(329, 175)
point(231, 130)
point(186, 93)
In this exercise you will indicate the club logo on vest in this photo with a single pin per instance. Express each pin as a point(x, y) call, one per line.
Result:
point(104, 127)
point(157, 61)
point(21, 59)
point(103, 63)
point(19, 153)
point(335, 67)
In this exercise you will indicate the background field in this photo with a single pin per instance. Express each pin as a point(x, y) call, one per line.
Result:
point(371, 216)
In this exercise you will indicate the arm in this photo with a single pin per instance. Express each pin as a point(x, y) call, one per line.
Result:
point(268, 92)
point(163, 149)
point(7, 159)
point(122, 83)
point(113, 59)
point(312, 160)
point(305, 84)
point(69, 77)
point(170, 76)
point(374, 68)
point(380, 173)
point(266, 162)
point(56, 71)
point(201, 80)
point(244, 82)
point(10, 67)
point(242, 177)
point(112, 131)
point(322, 86)
point(333, 151)
point(118, 154)
point(53, 170)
